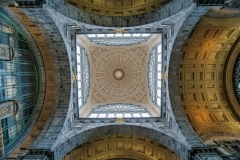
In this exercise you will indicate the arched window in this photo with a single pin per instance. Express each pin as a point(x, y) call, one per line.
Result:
point(236, 79)
point(18, 81)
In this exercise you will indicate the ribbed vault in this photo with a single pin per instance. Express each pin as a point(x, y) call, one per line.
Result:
point(201, 76)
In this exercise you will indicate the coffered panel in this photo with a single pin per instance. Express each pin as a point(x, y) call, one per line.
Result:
point(121, 146)
point(201, 77)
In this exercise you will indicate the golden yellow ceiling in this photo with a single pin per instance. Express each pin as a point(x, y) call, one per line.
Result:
point(121, 146)
point(201, 76)
point(118, 7)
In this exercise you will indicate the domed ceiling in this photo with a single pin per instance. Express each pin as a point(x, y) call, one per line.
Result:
point(119, 73)
point(118, 7)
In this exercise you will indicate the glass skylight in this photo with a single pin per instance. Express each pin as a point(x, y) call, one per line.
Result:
point(118, 39)
point(83, 76)
point(154, 74)
point(119, 111)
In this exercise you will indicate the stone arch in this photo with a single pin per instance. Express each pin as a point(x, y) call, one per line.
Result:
point(173, 73)
point(70, 143)
point(6, 11)
point(121, 146)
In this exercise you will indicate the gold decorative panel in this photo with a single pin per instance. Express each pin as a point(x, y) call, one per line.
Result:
point(118, 7)
point(121, 146)
point(201, 77)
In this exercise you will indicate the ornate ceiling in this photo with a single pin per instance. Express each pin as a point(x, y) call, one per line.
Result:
point(119, 74)
point(118, 7)
point(201, 76)
point(201, 84)
point(121, 146)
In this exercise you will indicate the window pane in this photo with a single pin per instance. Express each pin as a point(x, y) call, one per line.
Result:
point(158, 101)
point(119, 115)
point(102, 116)
point(93, 116)
point(136, 115)
point(111, 115)
point(145, 115)
point(127, 115)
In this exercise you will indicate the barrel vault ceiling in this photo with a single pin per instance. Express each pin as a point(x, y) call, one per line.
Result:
point(118, 7)
point(201, 75)
point(121, 146)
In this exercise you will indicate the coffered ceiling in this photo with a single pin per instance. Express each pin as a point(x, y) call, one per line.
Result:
point(121, 146)
point(118, 7)
point(201, 75)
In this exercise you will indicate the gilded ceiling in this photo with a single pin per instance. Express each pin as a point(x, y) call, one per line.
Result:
point(121, 146)
point(118, 7)
point(201, 76)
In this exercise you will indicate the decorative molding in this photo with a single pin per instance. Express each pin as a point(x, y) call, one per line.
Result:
point(119, 31)
point(164, 76)
point(74, 77)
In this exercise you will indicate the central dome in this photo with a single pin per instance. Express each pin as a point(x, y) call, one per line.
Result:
point(118, 74)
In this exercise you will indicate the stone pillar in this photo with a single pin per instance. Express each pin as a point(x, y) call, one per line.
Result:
point(8, 109)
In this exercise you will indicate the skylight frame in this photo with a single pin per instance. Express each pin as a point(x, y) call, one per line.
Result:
point(125, 39)
point(159, 75)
